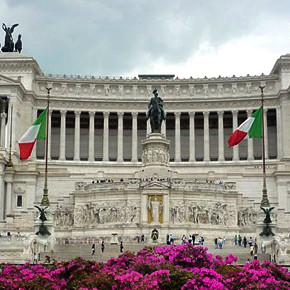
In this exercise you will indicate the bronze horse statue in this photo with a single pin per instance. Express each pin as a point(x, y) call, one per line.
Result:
point(155, 113)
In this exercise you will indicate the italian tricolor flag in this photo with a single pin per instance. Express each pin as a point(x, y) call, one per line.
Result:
point(252, 126)
point(36, 131)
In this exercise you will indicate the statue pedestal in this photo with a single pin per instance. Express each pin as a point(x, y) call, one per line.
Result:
point(44, 243)
point(265, 242)
point(155, 150)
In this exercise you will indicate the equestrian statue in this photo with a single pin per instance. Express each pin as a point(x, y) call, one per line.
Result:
point(155, 112)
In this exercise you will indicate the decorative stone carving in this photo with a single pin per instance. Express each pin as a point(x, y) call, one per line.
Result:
point(209, 213)
point(92, 215)
point(155, 150)
point(80, 185)
point(247, 217)
point(63, 217)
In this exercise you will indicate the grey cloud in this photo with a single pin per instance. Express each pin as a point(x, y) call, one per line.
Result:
point(112, 37)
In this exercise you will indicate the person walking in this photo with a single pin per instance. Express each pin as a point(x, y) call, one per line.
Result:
point(103, 246)
point(93, 249)
point(121, 247)
point(245, 242)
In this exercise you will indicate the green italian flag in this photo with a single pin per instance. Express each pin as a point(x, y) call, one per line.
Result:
point(36, 131)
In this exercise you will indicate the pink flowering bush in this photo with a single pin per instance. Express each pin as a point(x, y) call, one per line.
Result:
point(170, 267)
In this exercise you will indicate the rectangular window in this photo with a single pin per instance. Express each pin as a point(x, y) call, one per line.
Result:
point(19, 201)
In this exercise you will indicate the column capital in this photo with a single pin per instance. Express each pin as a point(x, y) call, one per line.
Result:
point(220, 113)
point(63, 112)
point(92, 114)
point(77, 113)
point(120, 114)
point(265, 110)
point(235, 113)
point(206, 114)
point(134, 114)
point(50, 111)
point(191, 114)
point(177, 114)
point(106, 114)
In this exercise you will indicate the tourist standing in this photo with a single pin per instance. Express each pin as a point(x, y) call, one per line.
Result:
point(103, 246)
point(35, 258)
point(256, 248)
point(142, 238)
point(220, 243)
point(216, 243)
point(190, 239)
point(252, 250)
point(121, 247)
point(93, 249)
point(251, 241)
point(183, 240)
point(235, 240)
point(193, 239)
point(240, 240)
point(245, 242)
point(168, 239)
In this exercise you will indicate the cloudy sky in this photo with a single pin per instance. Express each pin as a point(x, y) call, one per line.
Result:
point(127, 37)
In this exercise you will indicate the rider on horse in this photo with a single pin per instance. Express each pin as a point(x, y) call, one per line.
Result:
point(156, 112)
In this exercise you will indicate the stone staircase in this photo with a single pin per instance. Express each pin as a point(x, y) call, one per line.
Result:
point(69, 252)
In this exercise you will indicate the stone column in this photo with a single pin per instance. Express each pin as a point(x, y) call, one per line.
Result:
point(163, 128)
point(106, 137)
point(2, 164)
point(191, 137)
point(33, 153)
point(62, 135)
point(165, 209)
point(235, 126)
point(221, 136)
point(9, 182)
point(134, 137)
point(279, 132)
point(3, 120)
point(144, 209)
point(77, 136)
point(250, 141)
point(120, 137)
point(49, 135)
point(206, 136)
point(266, 133)
point(177, 137)
point(92, 137)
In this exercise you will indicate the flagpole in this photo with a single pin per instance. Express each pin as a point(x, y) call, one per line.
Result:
point(10, 163)
point(45, 200)
point(265, 200)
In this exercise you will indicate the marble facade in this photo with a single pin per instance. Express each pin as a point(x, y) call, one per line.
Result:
point(108, 174)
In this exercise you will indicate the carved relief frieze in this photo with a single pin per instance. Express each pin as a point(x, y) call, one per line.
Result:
point(203, 213)
point(63, 217)
point(100, 213)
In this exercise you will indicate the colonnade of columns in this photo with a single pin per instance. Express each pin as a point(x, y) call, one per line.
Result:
point(177, 133)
